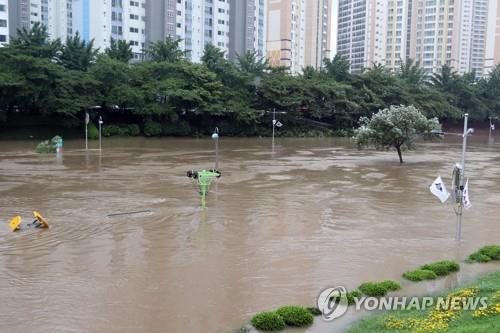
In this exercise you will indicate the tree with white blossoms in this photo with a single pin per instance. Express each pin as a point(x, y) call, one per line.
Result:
point(396, 127)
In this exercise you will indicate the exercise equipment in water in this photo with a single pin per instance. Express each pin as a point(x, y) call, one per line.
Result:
point(39, 222)
point(15, 223)
point(203, 179)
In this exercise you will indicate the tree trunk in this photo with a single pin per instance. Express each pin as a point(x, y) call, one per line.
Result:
point(398, 148)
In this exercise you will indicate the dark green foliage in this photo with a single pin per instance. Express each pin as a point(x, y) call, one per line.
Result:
point(486, 254)
point(295, 316)
point(93, 132)
point(63, 80)
point(49, 146)
point(152, 128)
point(492, 251)
point(479, 257)
point(391, 285)
point(442, 268)
point(352, 295)
point(268, 321)
point(121, 130)
point(314, 311)
point(420, 275)
point(377, 289)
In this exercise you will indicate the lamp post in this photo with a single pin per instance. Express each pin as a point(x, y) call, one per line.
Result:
point(215, 137)
point(100, 131)
point(459, 212)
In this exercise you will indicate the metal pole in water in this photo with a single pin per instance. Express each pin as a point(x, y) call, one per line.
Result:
point(100, 128)
point(215, 136)
point(274, 124)
point(87, 119)
point(462, 177)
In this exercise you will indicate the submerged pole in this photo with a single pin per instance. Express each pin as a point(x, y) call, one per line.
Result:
point(100, 131)
point(462, 178)
point(215, 137)
point(274, 124)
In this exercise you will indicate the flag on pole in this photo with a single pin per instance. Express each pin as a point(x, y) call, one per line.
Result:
point(278, 124)
point(87, 118)
point(492, 127)
point(466, 199)
point(439, 190)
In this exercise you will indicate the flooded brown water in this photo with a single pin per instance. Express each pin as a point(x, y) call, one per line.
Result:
point(279, 228)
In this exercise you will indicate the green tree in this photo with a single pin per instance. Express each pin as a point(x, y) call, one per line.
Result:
point(412, 74)
point(77, 54)
point(337, 68)
point(35, 42)
point(119, 50)
point(168, 50)
point(394, 127)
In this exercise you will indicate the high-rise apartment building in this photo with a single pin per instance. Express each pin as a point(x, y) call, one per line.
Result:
point(298, 33)
point(432, 32)
point(361, 32)
point(247, 27)
point(4, 22)
point(196, 22)
point(286, 33)
point(318, 32)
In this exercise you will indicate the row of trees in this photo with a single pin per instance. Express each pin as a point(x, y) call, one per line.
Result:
point(171, 95)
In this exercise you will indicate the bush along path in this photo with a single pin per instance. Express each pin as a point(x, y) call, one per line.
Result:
point(452, 315)
point(432, 271)
point(486, 254)
point(434, 321)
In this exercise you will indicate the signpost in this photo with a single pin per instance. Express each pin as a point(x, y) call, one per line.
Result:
point(87, 120)
point(460, 193)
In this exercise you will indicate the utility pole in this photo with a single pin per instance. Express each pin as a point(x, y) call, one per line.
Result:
point(459, 212)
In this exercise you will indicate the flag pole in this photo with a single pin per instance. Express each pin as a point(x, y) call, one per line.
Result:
point(462, 177)
point(100, 131)
point(86, 131)
point(274, 124)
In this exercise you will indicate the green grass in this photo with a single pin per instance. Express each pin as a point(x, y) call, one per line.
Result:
point(294, 315)
point(442, 268)
point(268, 321)
point(420, 275)
point(485, 254)
point(465, 323)
point(376, 289)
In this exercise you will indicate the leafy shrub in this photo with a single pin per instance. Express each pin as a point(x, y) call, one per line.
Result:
point(352, 295)
point(420, 275)
point(486, 254)
point(179, 128)
point(376, 289)
point(110, 130)
point(314, 311)
point(295, 315)
point(44, 147)
point(442, 268)
point(134, 130)
point(152, 128)
point(93, 132)
point(492, 251)
point(391, 285)
point(478, 257)
point(268, 321)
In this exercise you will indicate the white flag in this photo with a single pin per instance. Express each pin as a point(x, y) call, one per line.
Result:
point(278, 124)
point(87, 118)
point(439, 190)
point(466, 199)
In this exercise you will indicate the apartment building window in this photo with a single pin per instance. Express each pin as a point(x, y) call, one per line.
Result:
point(134, 30)
point(3, 38)
point(134, 3)
point(134, 17)
point(3, 23)
point(221, 10)
point(117, 3)
point(2, 9)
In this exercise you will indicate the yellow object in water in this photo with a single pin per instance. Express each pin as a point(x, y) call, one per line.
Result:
point(15, 223)
point(43, 222)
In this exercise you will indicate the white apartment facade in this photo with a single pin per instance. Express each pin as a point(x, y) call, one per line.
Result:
point(361, 33)
point(4, 22)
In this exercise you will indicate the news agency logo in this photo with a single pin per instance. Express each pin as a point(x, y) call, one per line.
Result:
point(333, 303)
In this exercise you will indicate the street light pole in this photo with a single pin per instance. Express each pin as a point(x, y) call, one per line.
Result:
point(100, 131)
point(467, 131)
point(274, 124)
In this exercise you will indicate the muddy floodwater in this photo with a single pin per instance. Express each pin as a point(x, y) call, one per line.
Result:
point(279, 228)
